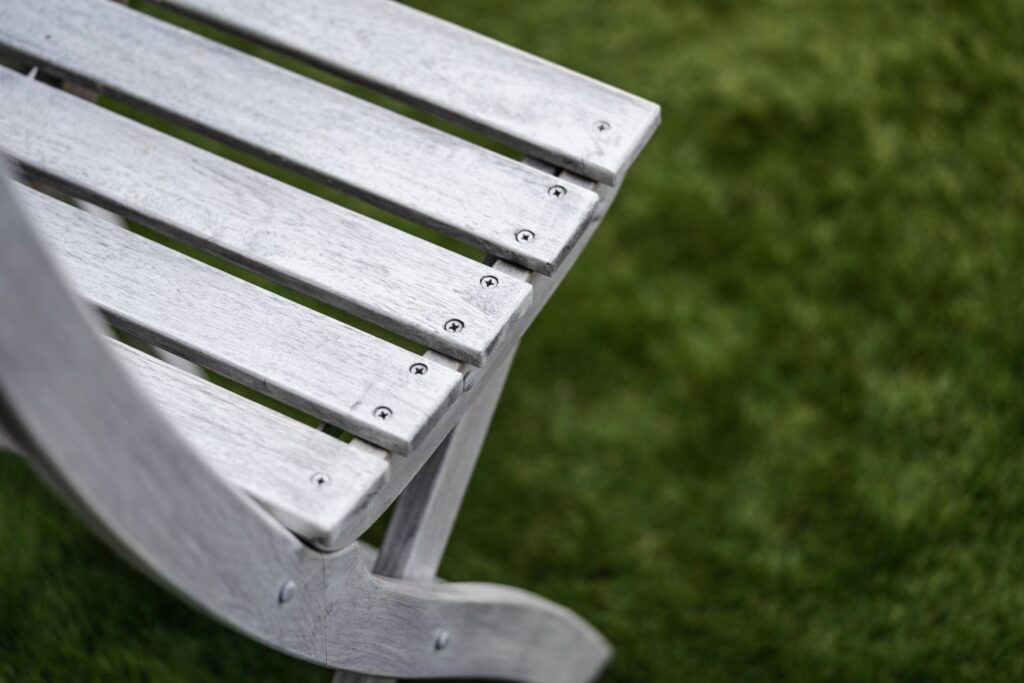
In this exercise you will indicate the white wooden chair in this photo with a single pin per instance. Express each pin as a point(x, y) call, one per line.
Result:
point(249, 515)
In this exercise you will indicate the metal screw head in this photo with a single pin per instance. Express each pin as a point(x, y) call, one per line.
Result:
point(454, 325)
point(524, 236)
point(418, 368)
point(442, 640)
point(557, 191)
point(287, 591)
point(602, 126)
point(382, 412)
point(320, 479)
point(489, 281)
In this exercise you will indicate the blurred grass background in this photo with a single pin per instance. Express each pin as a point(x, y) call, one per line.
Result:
point(771, 426)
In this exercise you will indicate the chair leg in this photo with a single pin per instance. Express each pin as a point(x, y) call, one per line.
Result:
point(415, 629)
point(425, 513)
point(414, 545)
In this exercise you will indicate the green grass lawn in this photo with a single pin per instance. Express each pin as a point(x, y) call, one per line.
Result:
point(771, 426)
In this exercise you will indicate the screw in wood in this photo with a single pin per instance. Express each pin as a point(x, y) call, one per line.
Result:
point(489, 281)
point(418, 368)
point(442, 640)
point(602, 126)
point(382, 412)
point(524, 236)
point(320, 479)
point(454, 325)
point(287, 591)
point(557, 191)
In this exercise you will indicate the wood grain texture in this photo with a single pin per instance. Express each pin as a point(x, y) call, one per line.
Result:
point(343, 617)
point(478, 384)
point(403, 470)
point(312, 483)
point(93, 436)
point(430, 176)
point(388, 627)
point(384, 275)
point(533, 105)
point(318, 365)
point(112, 456)
point(544, 286)
point(425, 514)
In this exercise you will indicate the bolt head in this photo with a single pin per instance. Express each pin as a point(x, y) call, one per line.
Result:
point(287, 592)
point(489, 281)
point(382, 412)
point(524, 236)
point(454, 325)
point(602, 126)
point(320, 479)
point(418, 368)
point(557, 191)
point(442, 639)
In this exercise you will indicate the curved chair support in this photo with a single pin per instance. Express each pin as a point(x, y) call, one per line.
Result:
point(96, 439)
point(407, 629)
point(92, 435)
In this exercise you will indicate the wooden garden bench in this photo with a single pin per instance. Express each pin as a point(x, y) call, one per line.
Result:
point(250, 515)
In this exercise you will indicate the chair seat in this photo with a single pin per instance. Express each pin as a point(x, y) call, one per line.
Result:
point(467, 315)
point(432, 177)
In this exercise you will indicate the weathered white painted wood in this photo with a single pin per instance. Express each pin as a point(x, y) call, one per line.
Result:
point(162, 354)
point(477, 195)
point(391, 278)
point(478, 384)
point(424, 546)
point(404, 469)
point(425, 514)
point(544, 286)
point(386, 627)
point(542, 109)
point(312, 483)
point(319, 365)
point(455, 630)
point(93, 437)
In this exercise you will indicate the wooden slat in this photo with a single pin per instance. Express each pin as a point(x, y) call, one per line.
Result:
point(477, 195)
point(384, 275)
point(312, 483)
point(319, 365)
point(538, 107)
